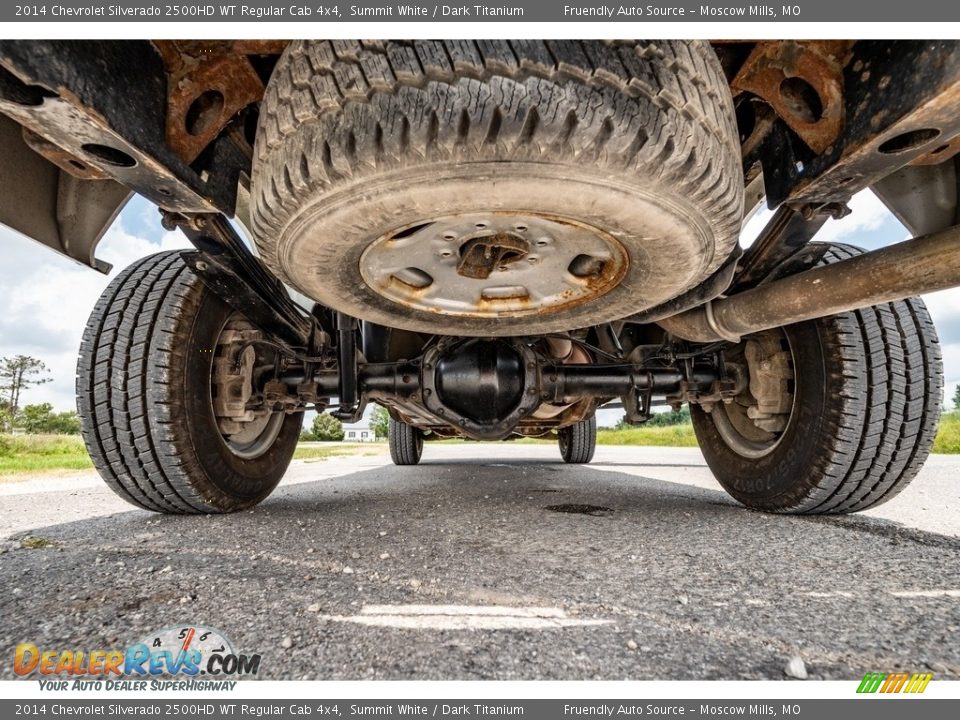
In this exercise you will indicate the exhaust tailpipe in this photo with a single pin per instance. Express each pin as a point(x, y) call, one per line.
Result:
point(924, 264)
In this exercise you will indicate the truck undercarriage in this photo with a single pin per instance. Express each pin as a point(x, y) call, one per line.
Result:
point(493, 239)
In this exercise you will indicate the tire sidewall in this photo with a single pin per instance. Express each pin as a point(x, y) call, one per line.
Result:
point(232, 482)
point(667, 240)
point(786, 477)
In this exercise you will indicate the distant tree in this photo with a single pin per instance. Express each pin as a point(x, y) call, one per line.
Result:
point(956, 398)
point(18, 373)
point(662, 419)
point(380, 422)
point(678, 417)
point(327, 428)
point(6, 416)
point(41, 419)
point(35, 418)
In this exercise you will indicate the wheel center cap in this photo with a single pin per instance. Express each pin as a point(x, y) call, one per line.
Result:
point(480, 256)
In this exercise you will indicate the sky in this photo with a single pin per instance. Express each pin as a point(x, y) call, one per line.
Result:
point(45, 298)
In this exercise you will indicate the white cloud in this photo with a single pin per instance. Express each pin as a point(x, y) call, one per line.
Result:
point(867, 213)
point(48, 298)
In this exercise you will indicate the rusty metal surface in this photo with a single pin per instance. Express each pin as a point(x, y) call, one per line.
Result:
point(480, 256)
point(230, 47)
point(902, 102)
point(73, 129)
point(494, 264)
point(922, 265)
point(785, 73)
point(883, 105)
point(66, 161)
point(110, 119)
point(208, 83)
point(941, 153)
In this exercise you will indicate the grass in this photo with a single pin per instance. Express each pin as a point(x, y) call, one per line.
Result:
point(28, 454)
point(948, 439)
point(669, 436)
point(20, 454)
point(31, 454)
point(323, 451)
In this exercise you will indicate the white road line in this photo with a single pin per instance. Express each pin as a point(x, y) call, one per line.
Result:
point(925, 593)
point(834, 593)
point(464, 617)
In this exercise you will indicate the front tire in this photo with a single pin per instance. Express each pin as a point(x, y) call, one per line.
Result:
point(145, 399)
point(866, 389)
point(406, 443)
point(578, 442)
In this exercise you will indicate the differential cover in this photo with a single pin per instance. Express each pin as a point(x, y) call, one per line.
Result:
point(481, 380)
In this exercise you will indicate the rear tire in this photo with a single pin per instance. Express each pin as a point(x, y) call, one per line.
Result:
point(578, 442)
point(867, 388)
point(406, 443)
point(144, 397)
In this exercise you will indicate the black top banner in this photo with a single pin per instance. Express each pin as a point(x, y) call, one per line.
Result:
point(333, 12)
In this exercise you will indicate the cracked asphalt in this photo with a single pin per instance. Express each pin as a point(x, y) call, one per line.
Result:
point(663, 576)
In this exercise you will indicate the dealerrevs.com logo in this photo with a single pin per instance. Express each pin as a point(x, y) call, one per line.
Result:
point(172, 659)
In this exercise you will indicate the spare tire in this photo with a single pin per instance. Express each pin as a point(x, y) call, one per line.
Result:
point(496, 187)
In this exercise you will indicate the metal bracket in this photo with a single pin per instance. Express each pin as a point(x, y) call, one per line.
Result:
point(230, 270)
point(717, 327)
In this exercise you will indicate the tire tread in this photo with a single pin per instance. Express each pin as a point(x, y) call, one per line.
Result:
point(406, 443)
point(337, 111)
point(579, 441)
point(894, 365)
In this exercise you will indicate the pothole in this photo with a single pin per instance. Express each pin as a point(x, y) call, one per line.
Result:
point(575, 509)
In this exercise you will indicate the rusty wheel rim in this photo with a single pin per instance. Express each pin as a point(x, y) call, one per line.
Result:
point(496, 264)
point(250, 439)
point(736, 427)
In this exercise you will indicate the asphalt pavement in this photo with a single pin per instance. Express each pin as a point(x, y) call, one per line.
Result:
point(497, 561)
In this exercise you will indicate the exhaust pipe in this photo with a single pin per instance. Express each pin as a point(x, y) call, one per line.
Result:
point(924, 264)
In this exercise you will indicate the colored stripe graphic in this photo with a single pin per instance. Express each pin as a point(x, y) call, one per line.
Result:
point(871, 682)
point(894, 682)
point(918, 683)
